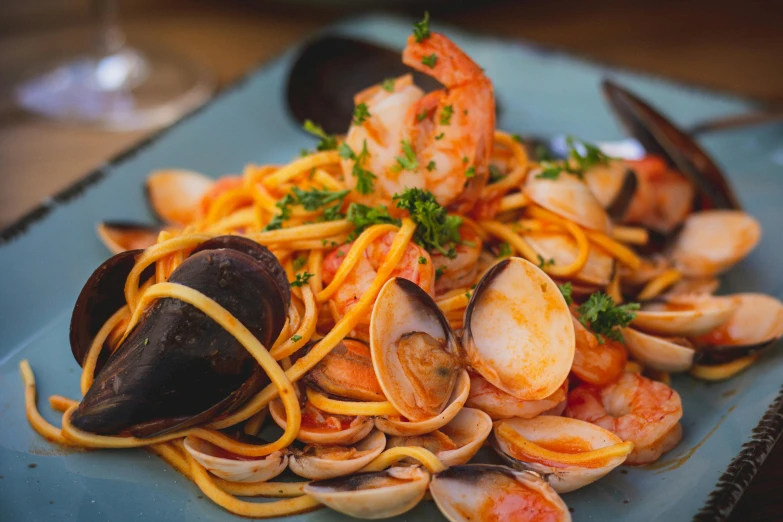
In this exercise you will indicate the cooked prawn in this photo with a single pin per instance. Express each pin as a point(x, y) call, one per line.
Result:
point(597, 363)
point(461, 270)
point(361, 277)
point(634, 408)
point(663, 197)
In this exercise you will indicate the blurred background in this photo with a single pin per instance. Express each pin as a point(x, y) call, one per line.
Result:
point(733, 46)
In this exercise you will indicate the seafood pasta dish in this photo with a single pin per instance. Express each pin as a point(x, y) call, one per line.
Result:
point(348, 330)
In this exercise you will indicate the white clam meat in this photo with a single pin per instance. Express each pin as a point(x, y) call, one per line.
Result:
point(569, 197)
point(665, 354)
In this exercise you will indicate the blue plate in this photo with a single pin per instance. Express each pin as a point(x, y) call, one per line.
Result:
point(729, 427)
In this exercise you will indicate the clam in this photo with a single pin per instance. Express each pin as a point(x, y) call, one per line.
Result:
point(562, 248)
point(693, 285)
point(613, 185)
point(236, 468)
point(684, 315)
point(484, 493)
point(500, 405)
point(175, 195)
point(347, 371)
point(563, 450)
point(456, 442)
point(119, 236)
point(416, 356)
point(518, 330)
point(373, 495)
point(665, 354)
point(394, 425)
point(713, 241)
point(177, 368)
point(756, 323)
point(317, 462)
point(569, 197)
point(323, 428)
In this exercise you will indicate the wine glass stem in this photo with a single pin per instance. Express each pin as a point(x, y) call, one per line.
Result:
point(110, 37)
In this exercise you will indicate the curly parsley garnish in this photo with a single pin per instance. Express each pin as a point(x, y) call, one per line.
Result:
point(471, 172)
point(422, 260)
point(430, 60)
point(322, 199)
point(436, 230)
point(439, 272)
point(604, 318)
point(421, 30)
point(360, 113)
point(363, 216)
point(328, 141)
point(566, 290)
point(364, 178)
point(300, 262)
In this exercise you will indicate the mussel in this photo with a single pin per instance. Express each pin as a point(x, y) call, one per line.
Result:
point(178, 368)
point(484, 493)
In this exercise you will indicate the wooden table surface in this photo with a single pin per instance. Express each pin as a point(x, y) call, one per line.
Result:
point(731, 46)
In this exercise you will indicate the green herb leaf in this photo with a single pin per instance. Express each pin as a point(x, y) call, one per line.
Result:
point(423, 114)
point(436, 230)
point(408, 161)
point(388, 85)
point(439, 272)
point(328, 142)
point(445, 115)
point(471, 172)
point(363, 216)
point(421, 30)
point(517, 138)
point(550, 171)
point(296, 338)
point(300, 262)
point(604, 318)
point(364, 178)
point(495, 174)
point(543, 263)
point(591, 157)
point(566, 290)
point(431, 166)
point(422, 260)
point(430, 60)
point(301, 279)
point(504, 250)
point(284, 204)
point(360, 113)
point(440, 136)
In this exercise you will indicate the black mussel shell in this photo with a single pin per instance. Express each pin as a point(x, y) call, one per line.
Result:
point(661, 137)
point(624, 196)
point(178, 368)
point(330, 70)
point(102, 295)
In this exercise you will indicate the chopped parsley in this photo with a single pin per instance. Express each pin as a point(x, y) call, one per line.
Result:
point(388, 85)
point(431, 166)
point(445, 115)
point(550, 171)
point(436, 230)
point(315, 199)
point(421, 30)
point(360, 113)
point(363, 216)
point(495, 174)
point(464, 160)
point(543, 263)
point(467, 294)
point(517, 138)
point(471, 172)
point(284, 205)
point(364, 178)
point(422, 260)
point(328, 142)
point(439, 272)
point(591, 157)
point(542, 153)
point(301, 279)
point(430, 60)
point(566, 290)
point(296, 338)
point(423, 114)
point(408, 161)
point(300, 262)
point(504, 250)
point(604, 318)
point(440, 136)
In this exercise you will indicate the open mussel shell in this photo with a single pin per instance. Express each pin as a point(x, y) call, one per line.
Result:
point(456, 442)
point(416, 356)
point(394, 425)
point(347, 371)
point(102, 295)
point(518, 330)
point(313, 431)
point(324, 462)
point(235, 468)
point(660, 136)
point(373, 495)
point(119, 236)
point(684, 315)
point(500, 405)
point(757, 322)
point(562, 248)
point(177, 367)
point(484, 493)
point(562, 439)
point(175, 195)
point(665, 354)
point(713, 241)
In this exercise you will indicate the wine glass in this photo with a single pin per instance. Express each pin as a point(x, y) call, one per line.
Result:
point(115, 87)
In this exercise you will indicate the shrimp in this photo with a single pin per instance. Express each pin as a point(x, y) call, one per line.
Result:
point(634, 408)
point(362, 275)
point(663, 197)
point(461, 270)
point(597, 363)
point(500, 405)
point(449, 132)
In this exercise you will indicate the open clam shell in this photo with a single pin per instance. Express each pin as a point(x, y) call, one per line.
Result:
point(685, 315)
point(484, 493)
point(416, 356)
point(407, 428)
point(613, 185)
point(562, 439)
point(518, 330)
point(569, 197)
point(500, 405)
point(313, 430)
point(712, 241)
point(235, 468)
point(325, 462)
point(659, 353)
point(599, 267)
point(119, 236)
point(456, 442)
point(175, 195)
point(373, 495)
